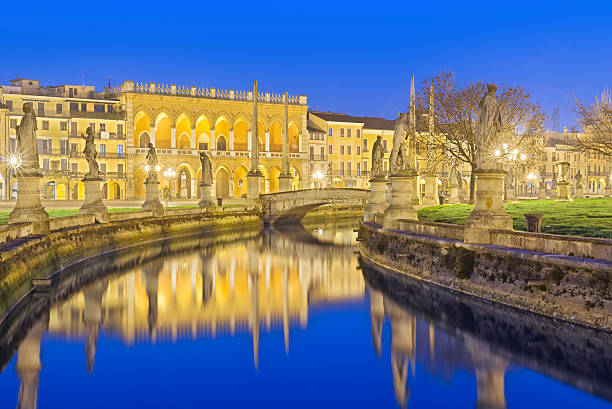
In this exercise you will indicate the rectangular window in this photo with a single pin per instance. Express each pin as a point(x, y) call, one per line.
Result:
point(385, 146)
point(358, 170)
point(63, 147)
point(59, 108)
point(342, 132)
point(98, 108)
point(120, 151)
point(348, 150)
point(102, 150)
point(13, 123)
point(330, 131)
point(64, 164)
point(74, 106)
point(74, 168)
point(341, 149)
point(46, 164)
point(358, 133)
point(41, 109)
point(120, 131)
point(322, 153)
point(120, 168)
point(348, 133)
point(330, 149)
point(12, 145)
point(84, 107)
point(45, 125)
point(74, 129)
point(341, 168)
point(63, 126)
point(348, 168)
point(102, 127)
point(74, 149)
point(312, 153)
point(49, 146)
point(9, 104)
point(203, 146)
point(358, 150)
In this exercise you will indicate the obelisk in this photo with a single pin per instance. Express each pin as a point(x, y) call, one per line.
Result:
point(285, 178)
point(254, 175)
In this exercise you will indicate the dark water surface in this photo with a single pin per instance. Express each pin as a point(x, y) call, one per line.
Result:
point(283, 319)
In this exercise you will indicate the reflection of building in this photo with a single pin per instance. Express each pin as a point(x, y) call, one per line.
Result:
point(413, 340)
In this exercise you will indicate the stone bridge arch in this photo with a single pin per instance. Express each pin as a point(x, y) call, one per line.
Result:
point(291, 207)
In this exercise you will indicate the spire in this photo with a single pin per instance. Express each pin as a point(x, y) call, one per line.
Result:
point(412, 105)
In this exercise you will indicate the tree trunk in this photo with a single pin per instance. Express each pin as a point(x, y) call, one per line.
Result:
point(472, 183)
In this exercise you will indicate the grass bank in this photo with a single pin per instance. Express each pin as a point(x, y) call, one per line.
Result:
point(582, 217)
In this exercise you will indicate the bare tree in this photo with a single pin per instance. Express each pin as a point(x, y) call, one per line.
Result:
point(455, 114)
point(596, 122)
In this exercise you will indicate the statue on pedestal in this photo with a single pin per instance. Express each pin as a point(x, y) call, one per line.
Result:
point(207, 177)
point(91, 155)
point(378, 154)
point(488, 130)
point(398, 160)
point(578, 179)
point(26, 139)
point(152, 161)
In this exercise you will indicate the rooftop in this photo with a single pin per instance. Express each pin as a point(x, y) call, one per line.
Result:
point(369, 122)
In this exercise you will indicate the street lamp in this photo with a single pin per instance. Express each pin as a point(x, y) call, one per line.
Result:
point(14, 162)
point(318, 176)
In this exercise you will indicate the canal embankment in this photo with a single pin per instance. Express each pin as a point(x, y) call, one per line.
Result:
point(563, 277)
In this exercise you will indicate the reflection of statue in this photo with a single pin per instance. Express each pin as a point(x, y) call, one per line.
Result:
point(399, 159)
point(26, 138)
point(578, 179)
point(377, 158)
point(207, 178)
point(152, 161)
point(91, 155)
point(488, 130)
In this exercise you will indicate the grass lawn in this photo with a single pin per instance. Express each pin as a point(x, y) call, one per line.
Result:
point(582, 217)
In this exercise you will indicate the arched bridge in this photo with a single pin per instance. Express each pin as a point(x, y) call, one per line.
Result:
point(290, 207)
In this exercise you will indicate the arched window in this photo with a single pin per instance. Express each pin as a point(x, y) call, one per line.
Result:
point(144, 140)
point(221, 144)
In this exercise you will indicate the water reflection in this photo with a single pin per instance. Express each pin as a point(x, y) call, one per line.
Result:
point(248, 285)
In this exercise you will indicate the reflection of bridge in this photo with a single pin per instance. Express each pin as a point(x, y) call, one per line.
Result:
point(291, 207)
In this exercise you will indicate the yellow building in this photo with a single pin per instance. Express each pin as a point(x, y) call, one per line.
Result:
point(181, 121)
point(349, 144)
point(63, 115)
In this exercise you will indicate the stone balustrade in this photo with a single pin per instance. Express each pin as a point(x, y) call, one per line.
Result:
point(216, 93)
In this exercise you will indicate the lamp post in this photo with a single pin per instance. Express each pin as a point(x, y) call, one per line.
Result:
point(318, 175)
point(169, 174)
point(14, 162)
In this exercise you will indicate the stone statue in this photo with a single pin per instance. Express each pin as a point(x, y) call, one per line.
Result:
point(91, 155)
point(207, 178)
point(563, 171)
point(152, 161)
point(26, 139)
point(399, 160)
point(578, 179)
point(459, 178)
point(378, 154)
point(330, 168)
point(488, 130)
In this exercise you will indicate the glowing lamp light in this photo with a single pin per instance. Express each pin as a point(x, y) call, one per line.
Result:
point(515, 151)
point(602, 180)
point(523, 156)
point(497, 152)
point(13, 161)
point(147, 168)
point(158, 168)
point(505, 146)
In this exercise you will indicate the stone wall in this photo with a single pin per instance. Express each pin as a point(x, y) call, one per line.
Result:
point(36, 256)
point(572, 288)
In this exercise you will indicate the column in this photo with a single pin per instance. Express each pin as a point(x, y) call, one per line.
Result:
point(173, 137)
point(213, 142)
point(231, 139)
point(194, 140)
point(267, 140)
point(285, 178)
point(254, 175)
point(152, 134)
point(249, 140)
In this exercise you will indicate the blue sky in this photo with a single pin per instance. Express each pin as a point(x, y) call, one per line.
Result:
point(353, 57)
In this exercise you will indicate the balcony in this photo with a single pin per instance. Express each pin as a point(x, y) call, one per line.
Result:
point(113, 116)
point(317, 157)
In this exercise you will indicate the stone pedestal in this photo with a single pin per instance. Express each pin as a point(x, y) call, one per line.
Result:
point(534, 221)
point(152, 201)
point(285, 180)
point(453, 197)
point(489, 213)
point(253, 181)
point(377, 203)
point(542, 191)
point(206, 200)
point(28, 208)
point(93, 200)
point(401, 205)
point(431, 191)
point(563, 192)
point(579, 191)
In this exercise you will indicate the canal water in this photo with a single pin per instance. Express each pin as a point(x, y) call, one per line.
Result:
point(286, 318)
